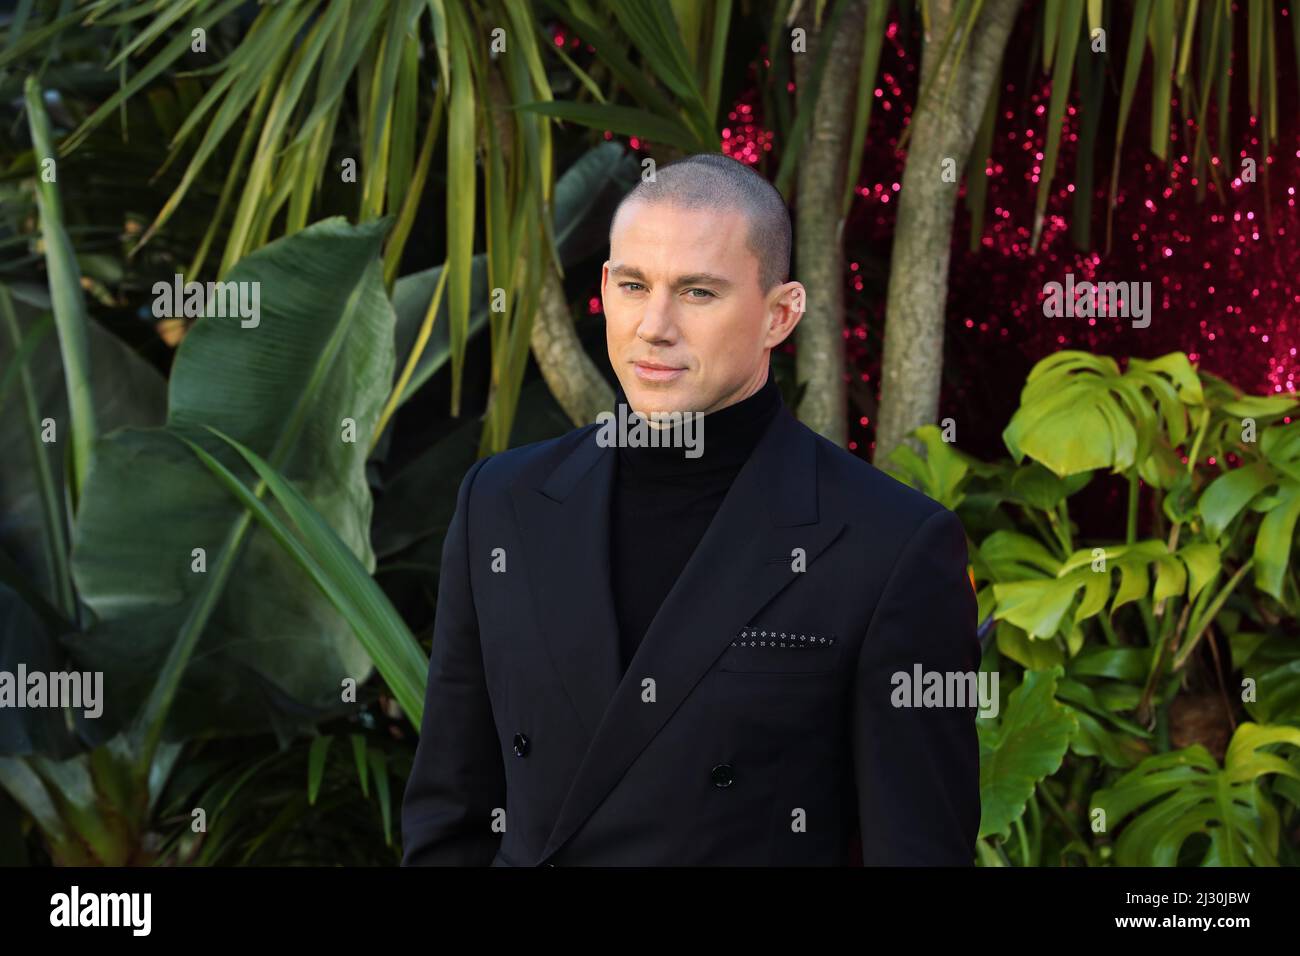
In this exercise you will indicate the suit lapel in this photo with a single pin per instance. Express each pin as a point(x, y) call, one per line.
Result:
point(770, 509)
point(564, 527)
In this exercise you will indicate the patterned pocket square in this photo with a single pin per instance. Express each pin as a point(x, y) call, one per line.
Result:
point(759, 650)
point(754, 637)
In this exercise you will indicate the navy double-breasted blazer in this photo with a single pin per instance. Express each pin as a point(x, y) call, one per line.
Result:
point(756, 724)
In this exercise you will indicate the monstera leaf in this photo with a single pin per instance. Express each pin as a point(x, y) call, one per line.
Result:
point(1027, 592)
point(1035, 592)
point(1235, 413)
point(1226, 496)
point(1025, 746)
point(1269, 484)
point(1275, 670)
point(198, 609)
point(1275, 544)
point(1171, 797)
point(941, 473)
point(1078, 412)
point(1103, 685)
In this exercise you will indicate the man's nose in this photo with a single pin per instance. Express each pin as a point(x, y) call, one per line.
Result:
point(657, 322)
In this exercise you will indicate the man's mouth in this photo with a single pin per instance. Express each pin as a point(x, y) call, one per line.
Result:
point(657, 372)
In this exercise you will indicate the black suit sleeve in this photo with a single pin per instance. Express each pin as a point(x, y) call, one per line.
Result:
point(458, 778)
point(916, 769)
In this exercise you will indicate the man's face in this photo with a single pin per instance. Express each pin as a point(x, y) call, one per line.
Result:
point(687, 327)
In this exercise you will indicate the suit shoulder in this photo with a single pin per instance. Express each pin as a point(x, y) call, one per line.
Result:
point(535, 460)
point(861, 488)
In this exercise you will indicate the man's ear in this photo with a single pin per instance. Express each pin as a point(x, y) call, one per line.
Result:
point(604, 281)
point(786, 304)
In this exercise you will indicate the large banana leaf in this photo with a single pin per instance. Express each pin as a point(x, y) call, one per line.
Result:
point(24, 639)
point(586, 195)
point(36, 601)
point(266, 646)
point(341, 578)
point(125, 390)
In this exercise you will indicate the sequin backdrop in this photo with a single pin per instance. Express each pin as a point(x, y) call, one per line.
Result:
point(1225, 270)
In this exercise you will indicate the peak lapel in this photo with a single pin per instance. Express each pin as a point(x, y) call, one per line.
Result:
point(770, 509)
point(564, 528)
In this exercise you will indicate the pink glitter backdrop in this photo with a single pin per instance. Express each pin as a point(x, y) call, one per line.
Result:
point(1225, 271)
point(1226, 287)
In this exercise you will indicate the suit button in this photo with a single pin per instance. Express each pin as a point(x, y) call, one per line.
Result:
point(521, 745)
point(722, 775)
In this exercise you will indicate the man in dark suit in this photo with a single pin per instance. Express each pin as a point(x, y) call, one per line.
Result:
point(688, 652)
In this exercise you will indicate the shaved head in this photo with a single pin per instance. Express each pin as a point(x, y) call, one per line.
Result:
point(716, 183)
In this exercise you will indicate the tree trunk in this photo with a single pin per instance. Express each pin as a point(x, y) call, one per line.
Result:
point(569, 373)
point(819, 251)
point(918, 273)
point(571, 376)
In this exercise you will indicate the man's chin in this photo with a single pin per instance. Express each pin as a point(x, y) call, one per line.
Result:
point(658, 400)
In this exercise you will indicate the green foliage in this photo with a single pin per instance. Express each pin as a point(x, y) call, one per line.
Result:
point(240, 451)
point(1174, 796)
point(277, 109)
point(1119, 640)
point(337, 573)
point(1024, 746)
point(65, 292)
point(320, 357)
point(1078, 413)
point(250, 637)
point(314, 366)
point(312, 803)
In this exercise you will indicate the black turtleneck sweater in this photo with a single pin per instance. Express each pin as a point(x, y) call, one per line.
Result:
point(663, 503)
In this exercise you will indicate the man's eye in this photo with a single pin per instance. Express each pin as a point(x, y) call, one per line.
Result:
point(707, 294)
point(628, 286)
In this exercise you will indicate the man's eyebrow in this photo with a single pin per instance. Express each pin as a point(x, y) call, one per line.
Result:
point(691, 279)
point(703, 278)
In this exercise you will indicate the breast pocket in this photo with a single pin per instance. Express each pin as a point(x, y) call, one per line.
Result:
point(763, 651)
